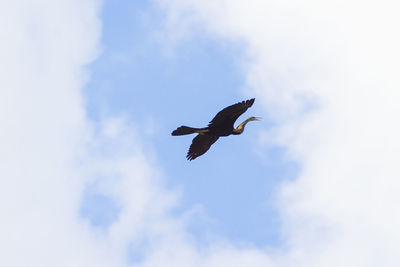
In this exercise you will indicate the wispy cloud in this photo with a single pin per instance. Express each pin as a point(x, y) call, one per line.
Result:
point(52, 154)
point(327, 74)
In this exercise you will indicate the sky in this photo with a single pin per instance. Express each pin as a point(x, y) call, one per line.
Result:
point(91, 90)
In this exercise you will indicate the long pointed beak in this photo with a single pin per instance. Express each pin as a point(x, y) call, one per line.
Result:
point(258, 118)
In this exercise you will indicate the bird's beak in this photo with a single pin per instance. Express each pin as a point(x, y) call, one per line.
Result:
point(257, 118)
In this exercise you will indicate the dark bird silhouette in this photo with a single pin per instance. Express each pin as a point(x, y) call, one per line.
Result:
point(220, 125)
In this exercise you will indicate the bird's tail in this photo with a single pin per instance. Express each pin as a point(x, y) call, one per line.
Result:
point(188, 130)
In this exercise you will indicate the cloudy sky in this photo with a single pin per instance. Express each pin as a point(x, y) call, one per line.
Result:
point(91, 90)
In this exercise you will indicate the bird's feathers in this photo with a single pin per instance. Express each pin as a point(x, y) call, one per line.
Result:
point(200, 144)
point(220, 125)
point(231, 113)
point(183, 130)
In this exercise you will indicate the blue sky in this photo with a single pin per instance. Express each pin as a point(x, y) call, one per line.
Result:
point(91, 176)
point(163, 86)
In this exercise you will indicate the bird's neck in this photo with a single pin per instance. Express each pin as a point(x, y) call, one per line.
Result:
point(240, 128)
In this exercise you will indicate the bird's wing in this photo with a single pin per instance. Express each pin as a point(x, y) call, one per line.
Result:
point(200, 144)
point(231, 113)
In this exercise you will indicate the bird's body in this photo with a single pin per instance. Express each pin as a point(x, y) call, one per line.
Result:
point(221, 125)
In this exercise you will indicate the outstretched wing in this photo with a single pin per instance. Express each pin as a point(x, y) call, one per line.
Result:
point(200, 144)
point(229, 115)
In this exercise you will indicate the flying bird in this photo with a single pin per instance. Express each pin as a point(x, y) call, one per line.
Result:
point(221, 125)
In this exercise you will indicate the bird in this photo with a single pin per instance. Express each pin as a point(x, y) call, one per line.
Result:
point(221, 125)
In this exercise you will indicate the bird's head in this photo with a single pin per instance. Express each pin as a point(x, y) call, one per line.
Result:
point(239, 129)
point(254, 119)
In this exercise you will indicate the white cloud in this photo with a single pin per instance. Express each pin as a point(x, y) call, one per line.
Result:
point(327, 73)
point(51, 153)
point(44, 46)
